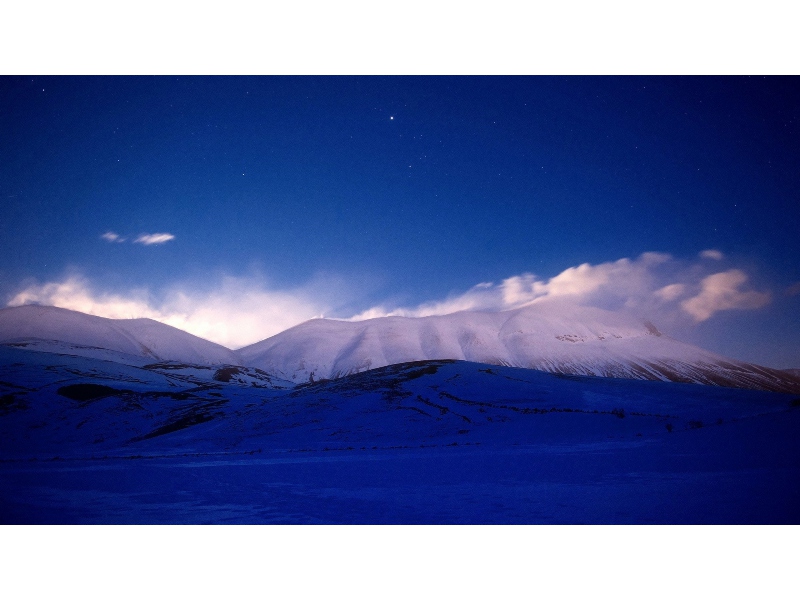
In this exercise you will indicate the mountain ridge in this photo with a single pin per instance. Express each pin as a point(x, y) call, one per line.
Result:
point(580, 341)
point(84, 333)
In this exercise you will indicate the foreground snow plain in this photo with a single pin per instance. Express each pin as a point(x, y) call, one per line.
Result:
point(103, 440)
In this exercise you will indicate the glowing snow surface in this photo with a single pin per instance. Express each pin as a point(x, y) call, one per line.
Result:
point(588, 342)
point(92, 335)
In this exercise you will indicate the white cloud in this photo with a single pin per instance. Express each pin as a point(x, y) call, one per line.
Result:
point(74, 293)
point(235, 313)
point(651, 284)
point(612, 284)
point(148, 239)
point(110, 236)
point(670, 292)
point(712, 254)
point(721, 291)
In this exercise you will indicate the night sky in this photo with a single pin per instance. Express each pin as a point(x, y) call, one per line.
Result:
point(239, 206)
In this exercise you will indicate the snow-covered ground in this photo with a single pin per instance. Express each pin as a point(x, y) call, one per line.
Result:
point(714, 475)
point(96, 336)
point(590, 341)
point(84, 440)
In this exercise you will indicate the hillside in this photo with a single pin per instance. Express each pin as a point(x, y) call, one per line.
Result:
point(48, 328)
point(90, 441)
point(589, 341)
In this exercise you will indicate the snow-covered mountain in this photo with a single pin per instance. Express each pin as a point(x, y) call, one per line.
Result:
point(584, 341)
point(137, 440)
point(51, 329)
point(580, 341)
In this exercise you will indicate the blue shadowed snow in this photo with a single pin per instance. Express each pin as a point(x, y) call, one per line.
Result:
point(433, 442)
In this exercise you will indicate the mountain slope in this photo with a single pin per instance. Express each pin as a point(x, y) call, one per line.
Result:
point(75, 407)
point(589, 341)
point(48, 328)
point(586, 341)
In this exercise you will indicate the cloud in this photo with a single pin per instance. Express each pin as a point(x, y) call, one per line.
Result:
point(74, 293)
point(148, 239)
point(235, 312)
point(793, 290)
point(721, 291)
point(712, 254)
point(655, 285)
point(110, 236)
point(670, 292)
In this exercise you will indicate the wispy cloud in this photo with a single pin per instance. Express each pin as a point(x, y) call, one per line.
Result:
point(110, 236)
point(148, 239)
point(670, 292)
point(712, 254)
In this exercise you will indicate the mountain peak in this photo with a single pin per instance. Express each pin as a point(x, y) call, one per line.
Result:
point(135, 337)
point(580, 341)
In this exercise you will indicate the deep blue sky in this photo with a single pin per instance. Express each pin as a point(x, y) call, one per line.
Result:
point(407, 189)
